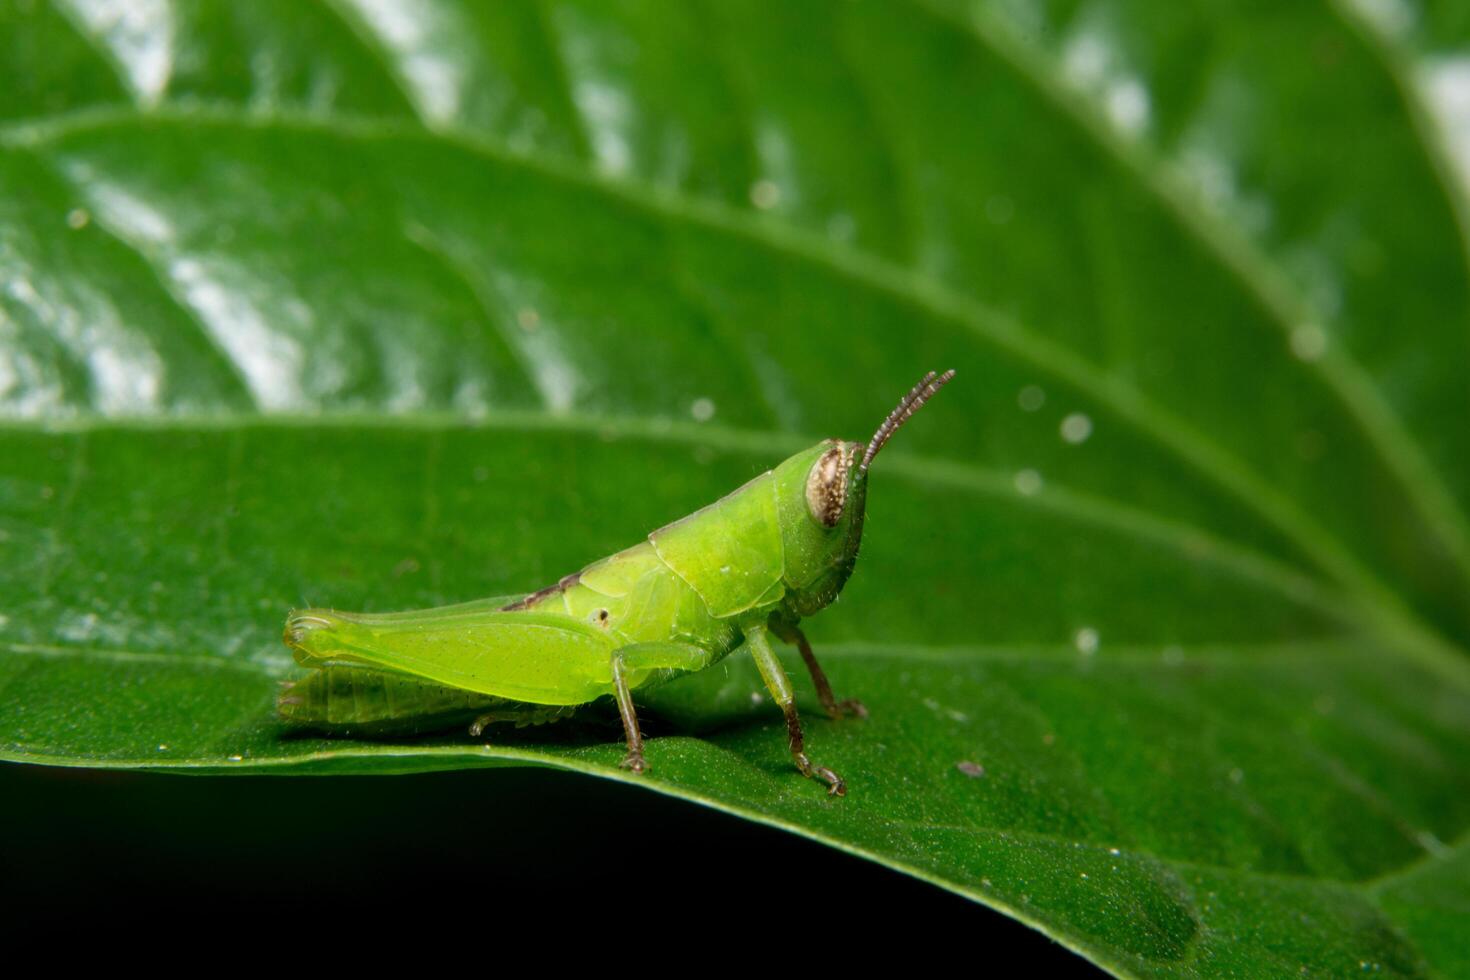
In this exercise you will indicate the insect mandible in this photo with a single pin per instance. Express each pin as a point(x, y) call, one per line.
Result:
point(729, 576)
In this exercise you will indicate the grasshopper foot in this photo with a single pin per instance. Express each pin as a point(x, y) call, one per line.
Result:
point(836, 785)
point(841, 709)
point(634, 762)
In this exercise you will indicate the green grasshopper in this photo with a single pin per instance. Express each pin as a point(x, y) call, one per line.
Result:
point(750, 565)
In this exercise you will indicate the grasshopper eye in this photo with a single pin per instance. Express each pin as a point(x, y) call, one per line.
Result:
point(826, 486)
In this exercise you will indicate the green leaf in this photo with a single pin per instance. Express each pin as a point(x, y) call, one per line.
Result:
point(1161, 614)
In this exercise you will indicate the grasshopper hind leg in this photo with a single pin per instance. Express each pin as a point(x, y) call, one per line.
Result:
point(520, 715)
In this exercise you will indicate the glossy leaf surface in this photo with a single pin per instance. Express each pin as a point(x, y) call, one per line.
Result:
point(1161, 610)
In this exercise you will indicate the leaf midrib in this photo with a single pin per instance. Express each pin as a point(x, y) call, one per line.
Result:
point(1190, 541)
point(1122, 656)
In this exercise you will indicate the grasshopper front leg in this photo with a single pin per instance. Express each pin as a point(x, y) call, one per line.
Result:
point(634, 759)
point(836, 709)
point(646, 657)
point(780, 687)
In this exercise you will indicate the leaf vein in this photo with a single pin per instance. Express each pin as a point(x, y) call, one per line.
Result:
point(1259, 275)
point(1192, 542)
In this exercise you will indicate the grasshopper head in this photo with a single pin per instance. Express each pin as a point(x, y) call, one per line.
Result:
point(831, 482)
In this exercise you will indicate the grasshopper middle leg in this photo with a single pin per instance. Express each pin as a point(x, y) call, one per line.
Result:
point(780, 687)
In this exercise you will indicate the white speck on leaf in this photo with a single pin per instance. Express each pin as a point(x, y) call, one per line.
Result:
point(764, 194)
point(1308, 341)
point(1128, 105)
point(1076, 428)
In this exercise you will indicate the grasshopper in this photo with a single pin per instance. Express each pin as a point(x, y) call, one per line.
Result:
point(726, 577)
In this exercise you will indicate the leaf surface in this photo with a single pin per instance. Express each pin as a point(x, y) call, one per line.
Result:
point(1161, 614)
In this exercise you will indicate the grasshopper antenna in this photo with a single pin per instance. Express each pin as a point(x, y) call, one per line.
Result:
point(907, 406)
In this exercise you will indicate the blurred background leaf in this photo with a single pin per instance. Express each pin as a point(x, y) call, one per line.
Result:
point(1161, 614)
